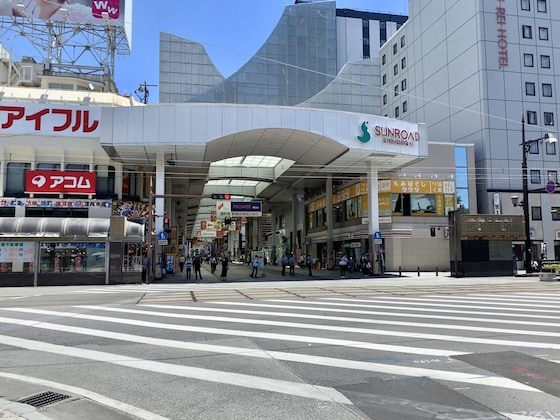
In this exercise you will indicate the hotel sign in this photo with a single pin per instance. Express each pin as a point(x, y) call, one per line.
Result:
point(502, 35)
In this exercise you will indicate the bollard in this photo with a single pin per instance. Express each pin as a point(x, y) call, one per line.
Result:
point(436, 270)
point(418, 271)
point(400, 271)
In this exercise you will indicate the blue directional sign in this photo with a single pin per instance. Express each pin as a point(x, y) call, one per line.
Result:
point(163, 235)
point(377, 235)
point(246, 208)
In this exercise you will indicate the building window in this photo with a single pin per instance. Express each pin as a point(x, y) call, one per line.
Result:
point(549, 120)
point(525, 5)
point(535, 176)
point(552, 176)
point(402, 41)
point(532, 117)
point(536, 213)
point(403, 84)
point(105, 187)
point(385, 99)
point(547, 90)
point(395, 69)
point(550, 148)
point(394, 48)
point(555, 211)
point(528, 60)
point(383, 59)
point(396, 90)
point(527, 31)
point(529, 89)
point(405, 108)
point(403, 62)
point(397, 112)
point(384, 79)
point(48, 166)
point(543, 34)
point(15, 179)
point(541, 6)
point(545, 61)
point(365, 37)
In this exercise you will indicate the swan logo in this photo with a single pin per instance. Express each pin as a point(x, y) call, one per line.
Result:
point(365, 137)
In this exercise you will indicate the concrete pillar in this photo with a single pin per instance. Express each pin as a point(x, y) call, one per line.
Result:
point(373, 207)
point(330, 245)
point(160, 190)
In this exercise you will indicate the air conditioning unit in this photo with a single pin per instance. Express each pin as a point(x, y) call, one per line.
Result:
point(26, 74)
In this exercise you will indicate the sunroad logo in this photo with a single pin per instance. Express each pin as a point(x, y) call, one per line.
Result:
point(111, 7)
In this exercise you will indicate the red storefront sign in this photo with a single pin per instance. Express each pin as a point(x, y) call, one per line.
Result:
point(56, 182)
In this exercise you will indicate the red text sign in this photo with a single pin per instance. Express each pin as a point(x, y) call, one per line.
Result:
point(56, 182)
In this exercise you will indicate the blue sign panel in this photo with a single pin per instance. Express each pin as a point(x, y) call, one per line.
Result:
point(377, 235)
point(163, 235)
point(246, 208)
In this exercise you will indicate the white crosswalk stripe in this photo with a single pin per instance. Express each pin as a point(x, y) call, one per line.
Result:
point(413, 329)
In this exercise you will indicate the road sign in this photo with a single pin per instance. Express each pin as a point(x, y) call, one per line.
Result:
point(550, 186)
point(163, 242)
point(163, 236)
point(377, 235)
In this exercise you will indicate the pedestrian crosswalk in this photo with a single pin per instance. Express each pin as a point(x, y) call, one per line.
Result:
point(337, 350)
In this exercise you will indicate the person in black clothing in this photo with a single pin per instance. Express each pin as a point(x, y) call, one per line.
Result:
point(196, 265)
point(223, 275)
point(309, 263)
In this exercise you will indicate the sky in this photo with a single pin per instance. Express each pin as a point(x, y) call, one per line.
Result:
point(231, 30)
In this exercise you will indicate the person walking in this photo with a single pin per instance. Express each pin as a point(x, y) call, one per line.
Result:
point(181, 263)
point(292, 264)
point(223, 275)
point(213, 263)
point(255, 265)
point(188, 267)
point(283, 262)
point(145, 268)
point(310, 264)
point(343, 263)
point(196, 265)
point(351, 266)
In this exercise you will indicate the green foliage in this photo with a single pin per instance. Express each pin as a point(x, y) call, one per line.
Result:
point(550, 268)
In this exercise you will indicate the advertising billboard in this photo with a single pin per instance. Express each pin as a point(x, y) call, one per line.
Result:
point(57, 182)
point(116, 13)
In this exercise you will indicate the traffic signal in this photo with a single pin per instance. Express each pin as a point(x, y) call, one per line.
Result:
point(166, 223)
point(221, 196)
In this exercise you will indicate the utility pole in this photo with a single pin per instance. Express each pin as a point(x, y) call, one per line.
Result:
point(143, 93)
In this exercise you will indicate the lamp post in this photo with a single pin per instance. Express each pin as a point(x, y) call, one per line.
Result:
point(526, 145)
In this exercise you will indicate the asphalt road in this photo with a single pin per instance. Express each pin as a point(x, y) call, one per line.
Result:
point(407, 347)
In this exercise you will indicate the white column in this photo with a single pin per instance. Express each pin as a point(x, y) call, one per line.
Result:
point(160, 190)
point(329, 221)
point(373, 200)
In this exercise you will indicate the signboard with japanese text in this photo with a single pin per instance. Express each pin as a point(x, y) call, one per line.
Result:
point(246, 208)
point(47, 203)
point(57, 182)
point(50, 120)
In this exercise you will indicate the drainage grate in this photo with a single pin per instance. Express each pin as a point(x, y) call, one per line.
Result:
point(43, 399)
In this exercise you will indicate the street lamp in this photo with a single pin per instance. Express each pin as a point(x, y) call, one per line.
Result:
point(526, 145)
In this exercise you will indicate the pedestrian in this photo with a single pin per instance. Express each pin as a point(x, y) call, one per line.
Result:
point(196, 264)
point(213, 263)
point(181, 263)
point(223, 275)
point(342, 263)
point(309, 264)
point(366, 264)
point(188, 266)
point(283, 262)
point(351, 266)
point(302, 261)
point(145, 268)
point(292, 264)
point(255, 265)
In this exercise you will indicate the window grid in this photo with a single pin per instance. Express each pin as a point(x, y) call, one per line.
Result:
point(527, 31)
point(532, 117)
point(545, 61)
point(549, 120)
point(529, 88)
point(535, 176)
point(536, 213)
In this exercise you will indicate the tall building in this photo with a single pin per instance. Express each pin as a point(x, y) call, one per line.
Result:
point(473, 71)
point(311, 45)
